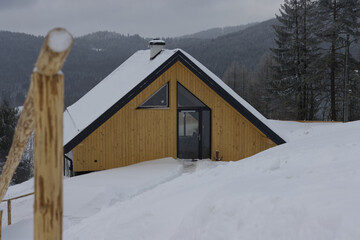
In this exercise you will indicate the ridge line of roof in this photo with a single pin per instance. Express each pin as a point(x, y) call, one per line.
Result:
point(233, 102)
point(198, 69)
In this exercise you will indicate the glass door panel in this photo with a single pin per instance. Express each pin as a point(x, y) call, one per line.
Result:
point(188, 135)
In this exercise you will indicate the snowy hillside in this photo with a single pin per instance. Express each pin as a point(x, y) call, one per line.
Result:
point(307, 188)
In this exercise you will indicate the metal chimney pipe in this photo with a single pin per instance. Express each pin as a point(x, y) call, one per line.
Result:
point(156, 45)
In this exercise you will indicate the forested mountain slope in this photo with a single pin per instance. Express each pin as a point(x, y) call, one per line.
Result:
point(95, 55)
point(217, 32)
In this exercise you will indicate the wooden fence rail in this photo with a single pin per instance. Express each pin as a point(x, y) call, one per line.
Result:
point(8, 201)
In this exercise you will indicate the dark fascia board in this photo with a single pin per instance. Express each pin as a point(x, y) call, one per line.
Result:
point(230, 99)
point(178, 56)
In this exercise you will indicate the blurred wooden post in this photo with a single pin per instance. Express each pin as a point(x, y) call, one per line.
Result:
point(0, 222)
point(48, 153)
point(22, 133)
point(9, 211)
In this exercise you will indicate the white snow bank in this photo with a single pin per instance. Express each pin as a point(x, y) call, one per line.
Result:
point(305, 189)
point(88, 194)
point(293, 130)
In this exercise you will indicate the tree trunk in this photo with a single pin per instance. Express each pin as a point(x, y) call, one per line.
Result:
point(333, 69)
point(346, 81)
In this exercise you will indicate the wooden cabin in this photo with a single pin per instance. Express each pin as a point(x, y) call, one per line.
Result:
point(162, 103)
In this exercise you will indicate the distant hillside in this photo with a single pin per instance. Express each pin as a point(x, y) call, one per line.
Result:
point(95, 55)
point(92, 58)
point(217, 32)
point(18, 52)
point(246, 47)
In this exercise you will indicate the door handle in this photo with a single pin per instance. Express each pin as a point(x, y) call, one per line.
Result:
point(199, 137)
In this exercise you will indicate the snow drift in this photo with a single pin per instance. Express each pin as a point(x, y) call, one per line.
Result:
point(304, 189)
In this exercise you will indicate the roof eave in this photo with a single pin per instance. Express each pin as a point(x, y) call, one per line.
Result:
point(177, 56)
point(232, 101)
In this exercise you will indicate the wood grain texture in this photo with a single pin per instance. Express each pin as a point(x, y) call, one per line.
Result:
point(135, 135)
point(117, 142)
point(232, 134)
point(47, 90)
point(48, 156)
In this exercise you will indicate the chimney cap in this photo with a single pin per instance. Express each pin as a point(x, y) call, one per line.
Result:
point(157, 41)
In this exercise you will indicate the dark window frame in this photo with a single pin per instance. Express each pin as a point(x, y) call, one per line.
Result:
point(187, 107)
point(200, 111)
point(167, 106)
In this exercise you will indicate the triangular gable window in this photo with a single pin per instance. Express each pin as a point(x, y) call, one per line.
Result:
point(186, 98)
point(159, 99)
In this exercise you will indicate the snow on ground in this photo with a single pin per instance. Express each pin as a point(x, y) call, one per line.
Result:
point(293, 130)
point(304, 189)
point(88, 194)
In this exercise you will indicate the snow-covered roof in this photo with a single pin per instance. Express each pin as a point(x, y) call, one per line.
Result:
point(105, 94)
point(227, 88)
point(121, 81)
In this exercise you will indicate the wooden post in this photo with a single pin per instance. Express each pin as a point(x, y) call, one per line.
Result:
point(48, 152)
point(8, 202)
point(9, 211)
point(0, 222)
point(22, 133)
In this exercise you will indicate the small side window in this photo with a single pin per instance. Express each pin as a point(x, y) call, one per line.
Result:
point(160, 99)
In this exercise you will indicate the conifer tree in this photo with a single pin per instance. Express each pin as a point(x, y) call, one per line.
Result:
point(8, 120)
point(238, 78)
point(260, 94)
point(232, 75)
point(296, 52)
point(338, 25)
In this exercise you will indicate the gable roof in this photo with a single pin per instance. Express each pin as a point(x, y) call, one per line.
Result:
point(133, 76)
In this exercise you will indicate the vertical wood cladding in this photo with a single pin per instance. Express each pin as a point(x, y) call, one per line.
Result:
point(134, 135)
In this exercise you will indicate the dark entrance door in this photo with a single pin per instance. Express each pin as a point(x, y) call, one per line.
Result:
point(194, 134)
point(194, 126)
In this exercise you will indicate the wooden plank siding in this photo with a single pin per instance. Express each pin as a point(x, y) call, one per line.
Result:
point(134, 135)
point(232, 134)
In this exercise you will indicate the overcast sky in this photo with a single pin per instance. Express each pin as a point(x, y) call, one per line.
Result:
point(148, 18)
